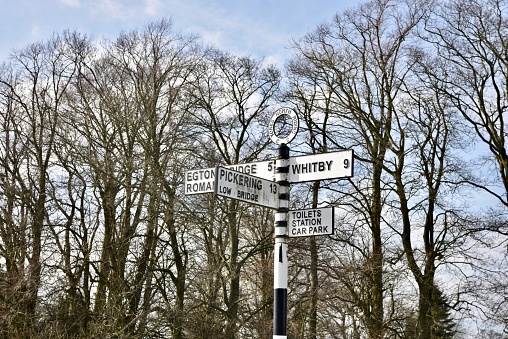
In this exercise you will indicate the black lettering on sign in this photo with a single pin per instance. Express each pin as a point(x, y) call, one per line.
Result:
point(241, 179)
point(247, 168)
point(199, 186)
point(312, 167)
point(225, 190)
point(204, 174)
point(247, 196)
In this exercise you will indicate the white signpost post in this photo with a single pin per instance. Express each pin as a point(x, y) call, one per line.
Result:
point(266, 183)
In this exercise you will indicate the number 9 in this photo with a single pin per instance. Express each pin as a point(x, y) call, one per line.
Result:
point(346, 163)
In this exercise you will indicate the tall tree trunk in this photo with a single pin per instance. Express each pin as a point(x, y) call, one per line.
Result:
point(234, 271)
point(108, 195)
point(375, 268)
point(313, 271)
point(180, 258)
point(34, 262)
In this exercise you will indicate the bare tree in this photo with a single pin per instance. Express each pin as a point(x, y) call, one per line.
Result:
point(133, 117)
point(233, 95)
point(33, 90)
point(360, 58)
point(470, 39)
point(310, 93)
point(422, 166)
point(103, 119)
point(470, 46)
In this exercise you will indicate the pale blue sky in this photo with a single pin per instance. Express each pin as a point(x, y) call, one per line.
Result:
point(260, 28)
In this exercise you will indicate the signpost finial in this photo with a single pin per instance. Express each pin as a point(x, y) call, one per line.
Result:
point(283, 126)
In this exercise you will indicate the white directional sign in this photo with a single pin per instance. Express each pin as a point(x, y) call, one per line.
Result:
point(317, 221)
point(248, 188)
point(301, 169)
point(199, 181)
point(321, 166)
point(202, 180)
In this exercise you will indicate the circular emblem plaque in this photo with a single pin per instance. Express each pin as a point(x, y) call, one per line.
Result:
point(283, 126)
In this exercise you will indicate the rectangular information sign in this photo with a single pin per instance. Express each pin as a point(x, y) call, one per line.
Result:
point(203, 180)
point(321, 166)
point(245, 187)
point(200, 181)
point(317, 221)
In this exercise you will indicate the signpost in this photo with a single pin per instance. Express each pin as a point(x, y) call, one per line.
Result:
point(245, 187)
point(267, 184)
point(301, 169)
point(317, 221)
point(203, 180)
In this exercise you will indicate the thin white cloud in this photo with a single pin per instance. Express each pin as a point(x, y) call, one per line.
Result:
point(113, 10)
point(221, 26)
point(260, 28)
point(36, 31)
point(247, 36)
point(152, 7)
point(71, 3)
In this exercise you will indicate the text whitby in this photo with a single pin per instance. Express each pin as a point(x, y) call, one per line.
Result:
point(311, 167)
